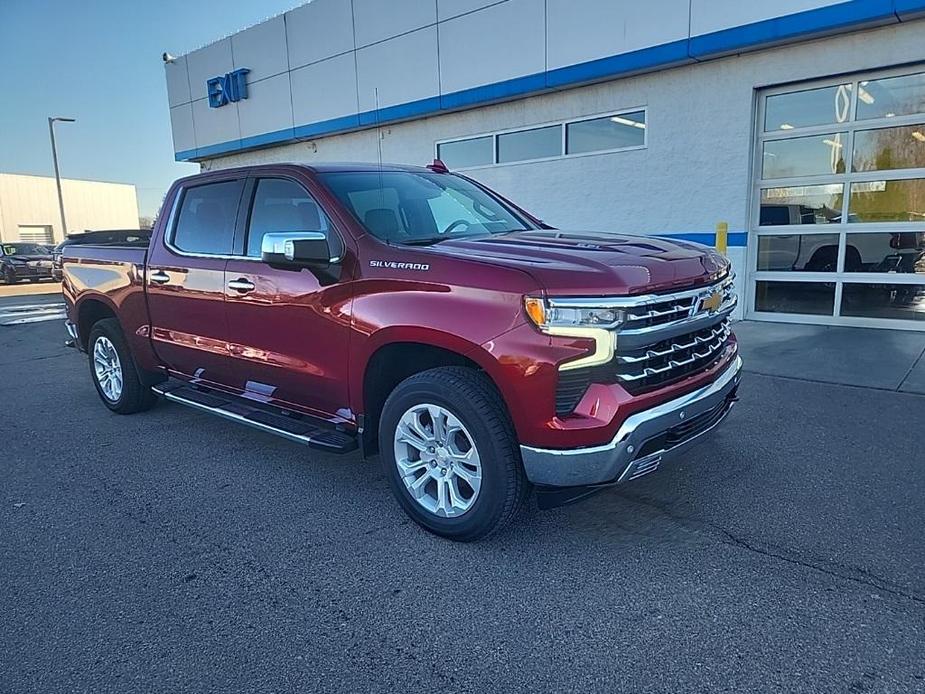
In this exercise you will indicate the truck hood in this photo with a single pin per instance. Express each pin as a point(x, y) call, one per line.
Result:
point(593, 262)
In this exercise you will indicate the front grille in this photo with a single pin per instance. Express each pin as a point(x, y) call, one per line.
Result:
point(664, 338)
point(670, 360)
point(659, 313)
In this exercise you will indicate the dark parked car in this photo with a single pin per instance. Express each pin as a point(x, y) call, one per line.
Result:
point(109, 237)
point(24, 261)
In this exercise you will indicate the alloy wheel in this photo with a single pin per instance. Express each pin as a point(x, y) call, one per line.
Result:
point(108, 368)
point(437, 460)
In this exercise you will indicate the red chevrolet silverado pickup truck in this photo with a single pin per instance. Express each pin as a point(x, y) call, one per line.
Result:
point(413, 312)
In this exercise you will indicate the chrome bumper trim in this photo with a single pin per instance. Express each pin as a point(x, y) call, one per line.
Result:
point(616, 461)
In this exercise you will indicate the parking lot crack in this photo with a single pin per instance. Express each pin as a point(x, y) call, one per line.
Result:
point(854, 574)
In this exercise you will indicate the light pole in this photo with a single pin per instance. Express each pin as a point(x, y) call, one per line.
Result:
point(54, 156)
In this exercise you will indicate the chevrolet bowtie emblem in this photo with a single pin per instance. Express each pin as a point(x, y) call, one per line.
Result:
point(711, 302)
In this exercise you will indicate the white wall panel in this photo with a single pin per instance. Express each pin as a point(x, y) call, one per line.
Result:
point(181, 123)
point(215, 125)
point(447, 9)
point(404, 69)
point(714, 15)
point(321, 29)
point(582, 31)
point(261, 49)
point(267, 108)
point(324, 90)
point(177, 82)
point(206, 63)
point(377, 20)
point(491, 45)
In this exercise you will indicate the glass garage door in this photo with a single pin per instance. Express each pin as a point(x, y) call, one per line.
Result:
point(838, 227)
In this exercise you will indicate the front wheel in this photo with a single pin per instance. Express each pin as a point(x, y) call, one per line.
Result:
point(113, 370)
point(450, 455)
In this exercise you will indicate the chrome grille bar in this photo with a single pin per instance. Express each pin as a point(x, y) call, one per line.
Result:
point(721, 332)
point(712, 349)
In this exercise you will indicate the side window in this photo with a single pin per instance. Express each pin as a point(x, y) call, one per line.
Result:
point(281, 205)
point(207, 218)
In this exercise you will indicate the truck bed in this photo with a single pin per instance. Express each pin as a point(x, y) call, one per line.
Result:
point(111, 278)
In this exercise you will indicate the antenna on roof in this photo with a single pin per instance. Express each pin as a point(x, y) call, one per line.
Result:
point(379, 148)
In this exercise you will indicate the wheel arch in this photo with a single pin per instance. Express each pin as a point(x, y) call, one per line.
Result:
point(392, 361)
point(90, 311)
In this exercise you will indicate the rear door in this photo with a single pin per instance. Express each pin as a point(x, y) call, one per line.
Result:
point(186, 280)
point(289, 327)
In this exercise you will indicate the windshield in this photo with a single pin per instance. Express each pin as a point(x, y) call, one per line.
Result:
point(420, 208)
point(24, 249)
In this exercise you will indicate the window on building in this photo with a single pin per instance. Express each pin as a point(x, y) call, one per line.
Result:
point(465, 153)
point(890, 97)
point(847, 158)
point(281, 205)
point(808, 107)
point(883, 149)
point(610, 132)
point(804, 156)
point(207, 218)
point(523, 145)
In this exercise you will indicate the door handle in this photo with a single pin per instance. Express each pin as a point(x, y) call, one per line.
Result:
point(242, 285)
point(159, 276)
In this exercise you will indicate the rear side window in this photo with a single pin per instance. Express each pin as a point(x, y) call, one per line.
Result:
point(207, 218)
point(281, 205)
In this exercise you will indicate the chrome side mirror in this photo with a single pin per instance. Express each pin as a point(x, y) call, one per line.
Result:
point(296, 248)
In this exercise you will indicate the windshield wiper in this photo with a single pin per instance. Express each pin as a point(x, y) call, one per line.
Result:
point(425, 242)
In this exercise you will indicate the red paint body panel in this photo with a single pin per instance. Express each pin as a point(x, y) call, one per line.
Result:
point(303, 340)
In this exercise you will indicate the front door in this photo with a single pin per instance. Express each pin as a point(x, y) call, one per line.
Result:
point(186, 282)
point(289, 327)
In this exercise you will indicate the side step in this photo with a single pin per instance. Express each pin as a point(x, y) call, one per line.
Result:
point(311, 431)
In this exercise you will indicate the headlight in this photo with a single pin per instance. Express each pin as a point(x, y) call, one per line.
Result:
point(553, 313)
point(577, 318)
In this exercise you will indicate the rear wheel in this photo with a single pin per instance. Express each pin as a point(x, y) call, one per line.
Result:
point(449, 451)
point(113, 370)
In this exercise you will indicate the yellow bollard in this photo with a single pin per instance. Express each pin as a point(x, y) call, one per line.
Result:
point(722, 237)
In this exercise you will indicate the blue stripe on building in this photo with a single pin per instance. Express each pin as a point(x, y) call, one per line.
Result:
point(853, 14)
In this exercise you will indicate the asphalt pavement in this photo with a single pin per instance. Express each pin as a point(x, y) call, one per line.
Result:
point(173, 552)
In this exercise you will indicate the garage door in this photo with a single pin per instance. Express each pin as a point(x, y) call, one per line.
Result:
point(838, 213)
point(35, 233)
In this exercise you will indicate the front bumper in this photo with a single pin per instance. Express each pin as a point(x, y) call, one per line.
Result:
point(643, 441)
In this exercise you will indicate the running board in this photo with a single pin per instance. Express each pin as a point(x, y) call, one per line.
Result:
point(310, 431)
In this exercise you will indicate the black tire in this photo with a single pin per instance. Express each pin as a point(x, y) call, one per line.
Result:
point(471, 397)
point(134, 396)
point(9, 277)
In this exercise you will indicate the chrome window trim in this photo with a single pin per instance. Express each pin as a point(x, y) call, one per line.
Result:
point(171, 226)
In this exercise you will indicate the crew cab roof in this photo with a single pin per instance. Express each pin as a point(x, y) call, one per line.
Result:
point(323, 167)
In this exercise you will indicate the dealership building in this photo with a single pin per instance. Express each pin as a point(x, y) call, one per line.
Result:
point(798, 124)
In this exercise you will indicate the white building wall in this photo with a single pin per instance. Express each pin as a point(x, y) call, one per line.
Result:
point(695, 171)
point(435, 56)
point(33, 200)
